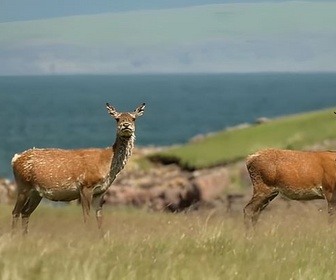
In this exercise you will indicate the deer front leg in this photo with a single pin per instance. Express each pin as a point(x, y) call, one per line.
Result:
point(86, 199)
point(98, 202)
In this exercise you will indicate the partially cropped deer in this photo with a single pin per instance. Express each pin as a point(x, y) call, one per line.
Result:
point(297, 175)
point(65, 175)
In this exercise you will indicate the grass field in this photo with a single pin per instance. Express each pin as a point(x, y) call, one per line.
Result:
point(289, 243)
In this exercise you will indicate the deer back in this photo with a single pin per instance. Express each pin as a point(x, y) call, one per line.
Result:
point(50, 167)
point(292, 168)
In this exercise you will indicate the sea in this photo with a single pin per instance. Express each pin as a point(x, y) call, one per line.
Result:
point(69, 111)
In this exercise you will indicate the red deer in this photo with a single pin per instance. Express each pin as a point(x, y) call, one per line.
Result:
point(65, 175)
point(297, 175)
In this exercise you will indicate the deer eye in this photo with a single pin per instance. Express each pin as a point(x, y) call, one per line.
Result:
point(117, 119)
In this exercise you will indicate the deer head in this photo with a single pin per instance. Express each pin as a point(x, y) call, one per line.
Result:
point(125, 121)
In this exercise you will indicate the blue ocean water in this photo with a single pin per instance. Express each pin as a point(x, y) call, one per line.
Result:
point(69, 111)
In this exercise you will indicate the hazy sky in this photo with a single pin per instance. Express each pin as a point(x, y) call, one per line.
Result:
point(86, 36)
point(14, 10)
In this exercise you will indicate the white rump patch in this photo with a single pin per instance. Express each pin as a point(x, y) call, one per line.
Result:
point(15, 157)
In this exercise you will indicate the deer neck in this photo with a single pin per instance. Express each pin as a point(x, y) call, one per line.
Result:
point(122, 150)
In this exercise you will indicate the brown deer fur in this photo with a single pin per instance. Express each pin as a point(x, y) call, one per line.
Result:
point(297, 175)
point(64, 175)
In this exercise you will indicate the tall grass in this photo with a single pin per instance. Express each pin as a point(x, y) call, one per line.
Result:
point(294, 243)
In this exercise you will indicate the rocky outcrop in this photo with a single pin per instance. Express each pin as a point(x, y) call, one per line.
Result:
point(168, 188)
point(163, 188)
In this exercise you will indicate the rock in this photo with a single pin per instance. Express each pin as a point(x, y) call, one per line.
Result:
point(262, 120)
point(126, 196)
point(211, 183)
point(178, 195)
point(7, 191)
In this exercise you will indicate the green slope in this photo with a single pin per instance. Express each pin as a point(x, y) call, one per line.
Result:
point(293, 132)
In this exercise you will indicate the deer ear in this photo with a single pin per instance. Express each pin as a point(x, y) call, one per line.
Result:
point(111, 110)
point(140, 110)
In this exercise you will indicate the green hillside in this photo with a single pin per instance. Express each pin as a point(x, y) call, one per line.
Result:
point(169, 26)
point(292, 132)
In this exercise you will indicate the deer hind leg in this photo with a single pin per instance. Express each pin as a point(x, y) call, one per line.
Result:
point(33, 201)
point(21, 200)
point(86, 199)
point(257, 203)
